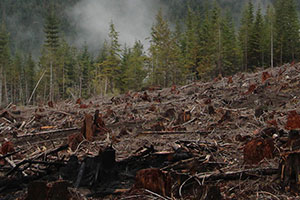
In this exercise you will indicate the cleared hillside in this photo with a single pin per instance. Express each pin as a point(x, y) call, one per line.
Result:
point(223, 138)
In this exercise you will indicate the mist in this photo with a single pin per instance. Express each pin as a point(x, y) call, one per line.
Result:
point(133, 20)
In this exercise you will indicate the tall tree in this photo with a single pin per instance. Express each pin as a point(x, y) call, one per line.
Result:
point(162, 52)
point(245, 31)
point(135, 72)
point(4, 61)
point(287, 31)
point(29, 76)
point(255, 52)
point(230, 51)
point(111, 66)
point(86, 67)
point(191, 45)
point(51, 44)
point(268, 42)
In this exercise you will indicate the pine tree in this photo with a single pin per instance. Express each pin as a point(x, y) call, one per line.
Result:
point(268, 35)
point(287, 31)
point(100, 79)
point(85, 72)
point(111, 66)
point(15, 79)
point(135, 72)
point(210, 61)
point(230, 52)
point(4, 62)
point(191, 45)
point(255, 42)
point(245, 31)
point(162, 52)
point(51, 44)
point(29, 74)
point(179, 71)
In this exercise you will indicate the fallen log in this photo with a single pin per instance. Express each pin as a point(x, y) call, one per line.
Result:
point(49, 132)
point(236, 175)
point(173, 132)
point(31, 160)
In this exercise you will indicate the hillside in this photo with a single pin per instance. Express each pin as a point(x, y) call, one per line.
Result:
point(222, 139)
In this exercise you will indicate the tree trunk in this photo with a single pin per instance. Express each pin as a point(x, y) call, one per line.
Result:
point(1, 81)
point(51, 81)
point(281, 54)
point(105, 87)
point(80, 86)
point(63, 81)
point(219, 54)
point(272, 49)
point(5, 90)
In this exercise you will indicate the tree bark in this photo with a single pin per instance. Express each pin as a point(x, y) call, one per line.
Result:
point(51, 81)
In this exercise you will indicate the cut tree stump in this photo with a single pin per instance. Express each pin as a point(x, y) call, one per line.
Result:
point(290, 172)
point(87, 128)
point(155, 180)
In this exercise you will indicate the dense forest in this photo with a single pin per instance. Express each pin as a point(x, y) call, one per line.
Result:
point(188, 41)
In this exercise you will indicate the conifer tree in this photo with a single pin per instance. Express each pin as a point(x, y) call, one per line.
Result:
point(162, 52)
point(245, 32)
point(230, 52)
point(29, 74)
point(135, 72)
point(85, 72)
point(4, 62)
point(210, 44)
point(111, 66)
point(51, 44)
point(100, 79)
point(256, 42)
point(191, 45)
point(268, 35)
point(287, 31)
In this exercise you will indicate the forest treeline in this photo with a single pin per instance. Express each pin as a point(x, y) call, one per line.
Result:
point(203, 44)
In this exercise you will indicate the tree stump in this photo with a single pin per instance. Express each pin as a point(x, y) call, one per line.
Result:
point(290, 172)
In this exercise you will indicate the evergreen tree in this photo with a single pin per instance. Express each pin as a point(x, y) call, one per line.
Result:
point(124, 65)
point(210, 44)
point(135, 72)
point(191, 45)
point(230, 52)
point(179, 71)
point(29, 76)
point(85, 73)
point(4, 62)
point(111, 66)
point(287, 31)
point(162, 50)
point(15, 82)
point(100, 79)
point(256, 38)
point(268, 35)
point(51, 45)
point(245, 32)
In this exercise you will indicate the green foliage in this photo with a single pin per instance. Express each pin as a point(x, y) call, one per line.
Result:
point(286, 46)
point(245, 32)
point(256, 41)
point(135, 72)
point(163, 50)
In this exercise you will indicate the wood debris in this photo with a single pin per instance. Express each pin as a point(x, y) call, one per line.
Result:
point(231, 138)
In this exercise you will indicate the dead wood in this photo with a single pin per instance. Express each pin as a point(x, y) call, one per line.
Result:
point(237, 175)
point(206, 131)
point(174, 132)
